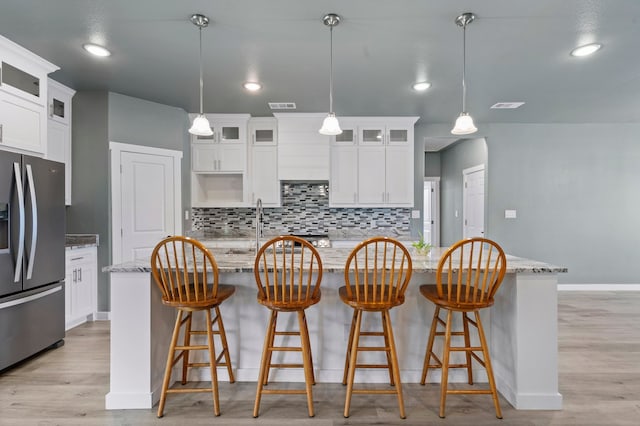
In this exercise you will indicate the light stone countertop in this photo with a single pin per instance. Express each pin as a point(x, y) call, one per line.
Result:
point(74, 241)
point(333, 260)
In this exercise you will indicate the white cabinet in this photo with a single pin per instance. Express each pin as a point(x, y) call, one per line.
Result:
point(23, 99)
point(219, 163)
point(59, 130)
point(263, 159)
point(80, 285)
point(372, 163)
point(218, 157)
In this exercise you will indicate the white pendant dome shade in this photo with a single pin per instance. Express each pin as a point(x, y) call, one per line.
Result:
point(201, 126)
point(464, 125)
point(330, 126)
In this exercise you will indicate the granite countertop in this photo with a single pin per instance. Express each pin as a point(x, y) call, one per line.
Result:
point(74, 241)
point(346, 234)
point(333, 260)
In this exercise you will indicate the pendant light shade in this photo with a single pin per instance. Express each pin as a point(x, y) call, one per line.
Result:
point(200, 125)
point(464, 123)
point(330, 125)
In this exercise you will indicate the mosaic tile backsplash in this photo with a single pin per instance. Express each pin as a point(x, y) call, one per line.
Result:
point(305, 210)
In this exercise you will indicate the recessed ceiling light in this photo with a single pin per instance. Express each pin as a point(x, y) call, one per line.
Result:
point(586, 50)
point(96, 50)
point(252, 86)
point(421, 86)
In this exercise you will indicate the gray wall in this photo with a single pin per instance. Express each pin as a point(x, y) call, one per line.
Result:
point(101, 117)
point(89, 211)
point(454, 159)
point(574, 187)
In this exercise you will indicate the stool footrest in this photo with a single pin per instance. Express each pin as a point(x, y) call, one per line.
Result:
point(192, 348)
point(470, 391)
point(372, 366)
point(286, 365)
point(375, 391)
point(285, 349)
point(373, 348)
point(189, 390)
point(285, 391)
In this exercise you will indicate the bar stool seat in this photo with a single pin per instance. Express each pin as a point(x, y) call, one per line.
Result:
point(468, 276)
point(376, 274)
point(187, 275)
point(288, 273)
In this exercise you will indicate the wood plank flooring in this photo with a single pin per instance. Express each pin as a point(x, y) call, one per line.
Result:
point(599, 340)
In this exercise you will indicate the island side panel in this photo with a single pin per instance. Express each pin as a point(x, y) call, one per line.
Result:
point(524, 346)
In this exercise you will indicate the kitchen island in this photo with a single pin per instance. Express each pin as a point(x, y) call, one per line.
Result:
point(521, 328)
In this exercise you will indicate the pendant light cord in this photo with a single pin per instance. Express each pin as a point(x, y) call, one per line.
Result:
point(331, 69)
point(464, 67)
point(201, 79)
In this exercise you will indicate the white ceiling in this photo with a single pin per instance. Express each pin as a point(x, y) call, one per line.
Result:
point(516, 51)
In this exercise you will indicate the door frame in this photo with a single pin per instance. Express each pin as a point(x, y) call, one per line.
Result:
point(435, 208)
point(116, 149)
point(465, 172)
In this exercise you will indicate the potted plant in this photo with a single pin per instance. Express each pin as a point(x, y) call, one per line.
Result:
point(423, 248)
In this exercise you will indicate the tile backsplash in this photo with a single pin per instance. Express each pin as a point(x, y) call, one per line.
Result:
point(305, 210)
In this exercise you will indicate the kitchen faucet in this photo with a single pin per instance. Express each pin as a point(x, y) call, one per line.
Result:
point(259, 219)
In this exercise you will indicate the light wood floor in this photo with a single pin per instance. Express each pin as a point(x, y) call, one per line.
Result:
point(599, 379)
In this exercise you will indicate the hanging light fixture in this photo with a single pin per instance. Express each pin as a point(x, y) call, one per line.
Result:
point(464, 123)
point(330, 125)
point(200, 125)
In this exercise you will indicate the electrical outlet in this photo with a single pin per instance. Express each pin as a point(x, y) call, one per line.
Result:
point(510, 214)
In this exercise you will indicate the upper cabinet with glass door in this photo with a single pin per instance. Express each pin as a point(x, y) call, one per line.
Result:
point(23, 98)
point(385, 131)
point(263, 131)
point(227, 129)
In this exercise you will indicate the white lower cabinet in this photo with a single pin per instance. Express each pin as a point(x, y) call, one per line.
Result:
point(80, 285)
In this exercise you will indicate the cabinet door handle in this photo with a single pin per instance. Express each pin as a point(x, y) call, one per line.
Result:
point(354, 197)
point(75, 275)
point(253, 138)
point(383, 197)
point(80, 274)
point(1, 133)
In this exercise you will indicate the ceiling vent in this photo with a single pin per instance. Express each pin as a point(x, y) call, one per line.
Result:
point(507, 105)
point(282, 105)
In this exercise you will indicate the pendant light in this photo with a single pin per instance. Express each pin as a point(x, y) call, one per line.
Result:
point(200, 126)
point(330, 125)
point(464, 123)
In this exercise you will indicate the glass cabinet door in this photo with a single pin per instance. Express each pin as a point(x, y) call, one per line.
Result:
point(371, 136)
point(229, 134)
point(20, 80)
point(398, 136)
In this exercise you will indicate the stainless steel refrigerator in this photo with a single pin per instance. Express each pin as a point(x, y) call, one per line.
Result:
point(32, 235)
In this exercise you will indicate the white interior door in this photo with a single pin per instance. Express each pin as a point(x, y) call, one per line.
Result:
point(473, 202)
point(146, 200)
point(431, 209)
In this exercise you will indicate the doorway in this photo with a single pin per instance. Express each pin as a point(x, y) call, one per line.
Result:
point(473, 202)
point(431, 209)
point(145, 199)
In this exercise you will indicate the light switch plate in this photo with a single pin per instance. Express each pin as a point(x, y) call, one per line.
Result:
point(415, 214)
point(510, 214)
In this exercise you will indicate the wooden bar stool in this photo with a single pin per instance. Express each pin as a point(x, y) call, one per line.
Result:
point(187, 275)
point(376, 275)
point(468, 276)
point(288, 272)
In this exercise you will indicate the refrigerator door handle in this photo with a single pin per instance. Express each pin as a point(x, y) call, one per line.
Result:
point(20, 191)
point(34, 220)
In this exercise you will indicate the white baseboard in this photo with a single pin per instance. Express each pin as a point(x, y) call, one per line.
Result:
point(102, 316)
point(598, 287)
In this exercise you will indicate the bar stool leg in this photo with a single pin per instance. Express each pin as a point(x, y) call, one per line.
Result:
point(306, 360)
point(349, 340)
point(394, 363)
point(225, 345)
point(271, 344)
point(308, 342)
point(467, 343)
point(170, 356)
point(487, 363)
point(444, 380)
point(352, 362)
point(187, 342)
point(387, 345)
point(428, 354)
point(266, 353)
point(212, 364)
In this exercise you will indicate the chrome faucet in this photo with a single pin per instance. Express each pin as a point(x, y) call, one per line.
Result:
point(259, 219)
